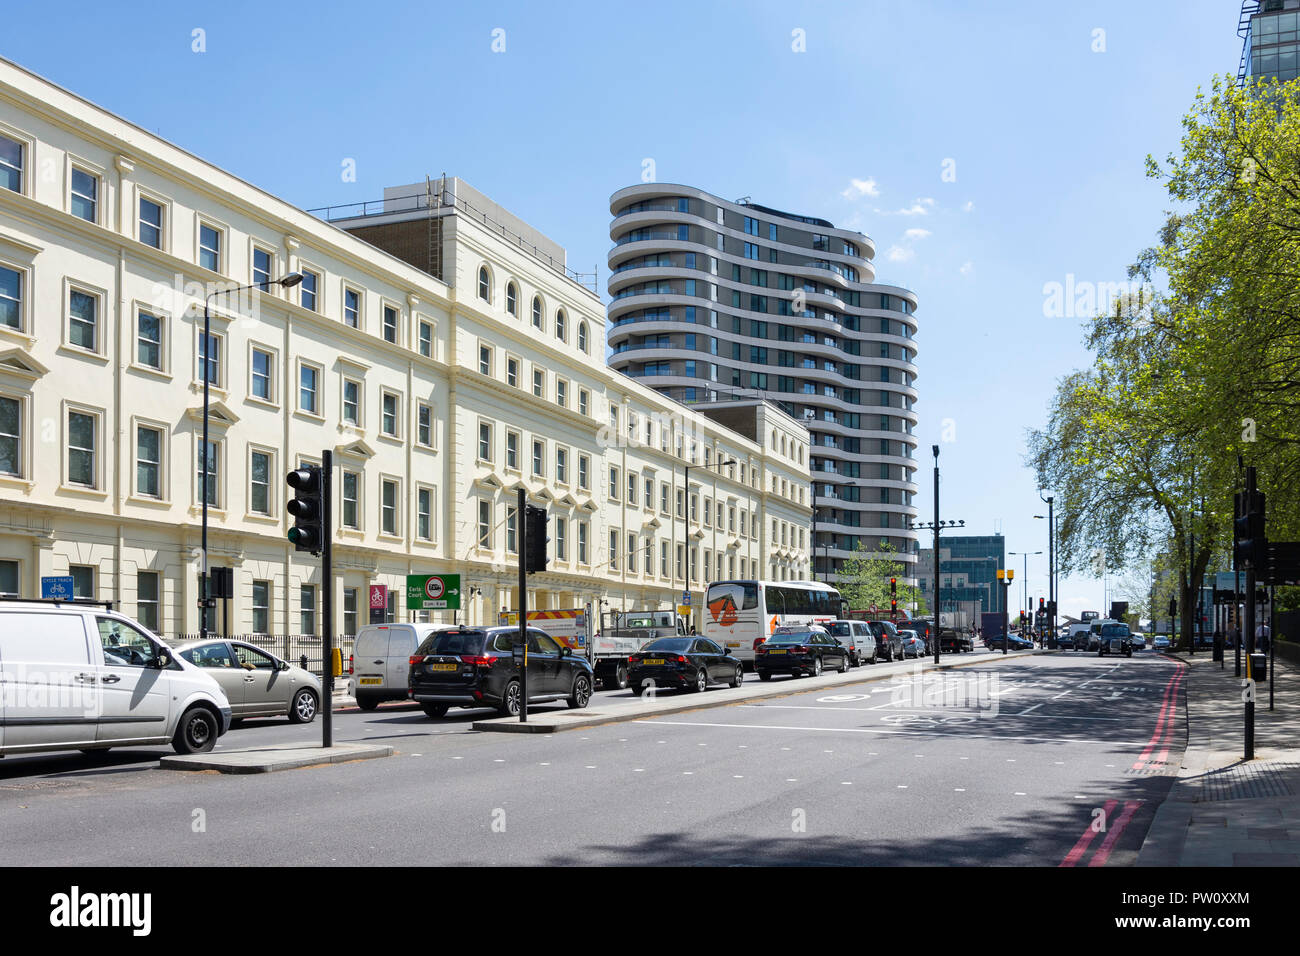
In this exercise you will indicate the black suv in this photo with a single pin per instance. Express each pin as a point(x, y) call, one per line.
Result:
point(889, 643)
point(476, 667)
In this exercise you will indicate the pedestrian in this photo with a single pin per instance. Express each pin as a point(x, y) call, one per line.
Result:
point(1262, 637)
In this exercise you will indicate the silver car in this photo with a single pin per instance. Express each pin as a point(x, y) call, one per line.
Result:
point(257, 683)
point(913, 644)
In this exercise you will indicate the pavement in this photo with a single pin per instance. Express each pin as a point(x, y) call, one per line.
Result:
point(273, 758)
point(1224, 810)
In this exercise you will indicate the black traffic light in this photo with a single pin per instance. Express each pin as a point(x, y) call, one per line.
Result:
point(1248, 529)
point(893, 595)
point(535, 522)
point(1173, 607)
point(307, 531)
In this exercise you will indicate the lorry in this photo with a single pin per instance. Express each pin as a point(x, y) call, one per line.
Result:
point(990, 624)
point(623, 633)
point(570, 628)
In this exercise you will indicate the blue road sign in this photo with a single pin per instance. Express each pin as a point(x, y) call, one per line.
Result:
point(57, 588)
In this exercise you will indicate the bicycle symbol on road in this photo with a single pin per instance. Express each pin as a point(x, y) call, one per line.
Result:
point(921, 720)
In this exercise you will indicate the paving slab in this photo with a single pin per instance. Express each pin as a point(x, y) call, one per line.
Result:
point(271, 759)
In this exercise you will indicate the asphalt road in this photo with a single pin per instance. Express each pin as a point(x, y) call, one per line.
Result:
point(1007, 763)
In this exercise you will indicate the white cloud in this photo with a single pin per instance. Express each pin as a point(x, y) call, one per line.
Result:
point(970, 204)
point(861, 187)
point(899, 254)
point(915, 234)
point(919, 207)
point(967, 269)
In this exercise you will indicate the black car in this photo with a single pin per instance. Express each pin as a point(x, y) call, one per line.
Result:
point(805, 651)
point(1115, 639)
point(1014, 642)
point(476, 667)
point(692, 663)
point(889, 643)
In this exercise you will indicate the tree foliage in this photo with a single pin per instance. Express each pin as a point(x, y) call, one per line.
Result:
point(864, 579)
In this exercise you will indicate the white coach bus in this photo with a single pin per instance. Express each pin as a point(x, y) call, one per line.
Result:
point(743, 614)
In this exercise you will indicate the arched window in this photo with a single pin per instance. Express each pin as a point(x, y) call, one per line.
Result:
point(512, 299)
point(582, 336)
point(484, 285)
point(537, 311)
point(561, 332)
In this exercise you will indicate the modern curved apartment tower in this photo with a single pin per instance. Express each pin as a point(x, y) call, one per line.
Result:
point(713, 301)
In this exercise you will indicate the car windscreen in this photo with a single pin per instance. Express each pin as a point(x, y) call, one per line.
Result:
point(669, 645)
point(794, 637)
point(1115, 630)
point(453, 642)
point(840, 628)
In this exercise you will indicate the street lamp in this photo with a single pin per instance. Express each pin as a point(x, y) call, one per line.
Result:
point(1051, 561)
point(690, 553)
point(1025, 555)
point(287, 282)
point(936, 524)
point(1004, 578)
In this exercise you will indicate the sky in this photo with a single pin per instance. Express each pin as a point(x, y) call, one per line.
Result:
point(989, 150)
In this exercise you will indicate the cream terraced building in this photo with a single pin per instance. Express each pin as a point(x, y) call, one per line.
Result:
point(443, 378)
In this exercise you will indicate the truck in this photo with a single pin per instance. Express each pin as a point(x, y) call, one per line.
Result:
point(570, 628)
point(990, 624)
point(624, 633)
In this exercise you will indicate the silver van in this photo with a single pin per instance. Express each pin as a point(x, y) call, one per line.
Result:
point(857, 637)
point(381, 661)
point(75, 675)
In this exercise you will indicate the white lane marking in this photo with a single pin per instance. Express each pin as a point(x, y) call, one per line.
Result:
point(1060, 695)
point(417, 755)
point(1029, 709)
point(1018, 794)
point(791, 779)
point(902, 786)
point(688, 773)
point(591, 766)
point(958, 789)
point(894, 733)
point(498, 760)
point(543, 764)
point(639, 770)
point(457, 758)
point(846, 783)
point(737, 776)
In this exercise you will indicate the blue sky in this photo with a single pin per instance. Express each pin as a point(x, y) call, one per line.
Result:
point(1041, 122)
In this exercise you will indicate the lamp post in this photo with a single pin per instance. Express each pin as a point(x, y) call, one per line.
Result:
point(287, 282)
point(690, 554)
point(1025, 578)
point(1004, 579)
point(1051, 563)
point(936, 524)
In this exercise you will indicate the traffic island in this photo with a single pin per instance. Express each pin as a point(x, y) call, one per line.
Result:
point(271, 759)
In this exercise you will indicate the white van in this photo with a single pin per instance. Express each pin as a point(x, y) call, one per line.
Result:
point(75, 675)
point(381, 661)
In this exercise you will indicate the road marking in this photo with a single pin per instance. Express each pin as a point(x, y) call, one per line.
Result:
point(688, 773)
point(1165, 714)
point(457, 758)
point(591, 766)
point(902, 786)
point(1060, 695)
point(543, 764)
point(892, 733)
point(498, 760)
point(1011, 760)
point(737, 776)
point(1028, 710)
point(417, 755)
point(1081, 845)
point(846, 783)
point(1103, 852)
point(959, 790)
point(1017, 794)
point(639, 770)
point(791, 779)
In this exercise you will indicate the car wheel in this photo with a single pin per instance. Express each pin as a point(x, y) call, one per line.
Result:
point(434, 710)
point(872, 658)
point(763, 675)
point(196, 733)
point(739, 678)
point(619, 679)
point(510, 700)
point(701, 681)
point(303, 708)
point(817, 667)
point(367, 702)
point(635, 689)
point(582, 691)
point(844, 665)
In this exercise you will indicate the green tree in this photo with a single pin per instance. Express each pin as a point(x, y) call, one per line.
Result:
point(864, 579)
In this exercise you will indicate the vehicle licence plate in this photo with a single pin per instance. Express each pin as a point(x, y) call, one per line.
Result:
point(653, 660)
point(774, 651)
point(365, 681)
point(444, 667)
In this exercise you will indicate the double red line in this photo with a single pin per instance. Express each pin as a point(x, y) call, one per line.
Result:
point(1113, 831)
point(1164, 732)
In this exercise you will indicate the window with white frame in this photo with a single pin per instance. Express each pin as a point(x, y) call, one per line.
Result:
point(11, 298)
point(150, 223)
point(561, 328)
point(539, 383)
point(351, 512)
point(613, 549)
point(309, 388)
point(485, 359)
point(584, 402)
point(209, 469)
point(390, 321)
point(309, 289)
point(426, 339)
point(351, 401)
point(388, 514)
point(351, 308)
point(262, 260)
point(83, 320)
point(261, 374)
point(631, 487)
point(582, 336)
point(631, 553)
point(209, 356)
point(512, 450)
point(614, 480)
point(484, 523)
point(484, 441)
point(584, 469)
point(424, 425)
point(484, 284)
point(512, 299)
point(11, 436)
point(84, 199)
point(424, 514)
point(512, 371)
point(209, 247)
point(12, 156)
point(583, 529)
point(389, 419)
point(561, 538)
point(512, 530)
point(260, 500)
point(146, 599)
point(539, 458)
point(537, 312)
point(307, 609)
point(83, 449)
point(148, 461)
point(561, 393)
point(261, 607)
point(562, 465)
point(149, 349)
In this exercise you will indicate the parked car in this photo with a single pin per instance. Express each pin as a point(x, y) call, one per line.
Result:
point(476, 667)
point(1139, 641)
point(806, 650)
point(79, 676)
point(691, 663)
point(256, 683)
point(913, 645)
point(380, 661)
point(1160, 642)
point(857, 637)
point(889, 643)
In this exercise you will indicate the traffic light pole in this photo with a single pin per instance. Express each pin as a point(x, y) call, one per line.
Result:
point(327, 599)
point(521, 523)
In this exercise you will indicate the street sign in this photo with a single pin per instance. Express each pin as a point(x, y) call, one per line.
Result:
point(433, 592)
point(57, 588)
point(378, 603)
point(684, 610)
point(686, 598)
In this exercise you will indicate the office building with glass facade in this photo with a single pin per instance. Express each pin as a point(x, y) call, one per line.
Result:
point(1270, 32)
point(967, 573)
